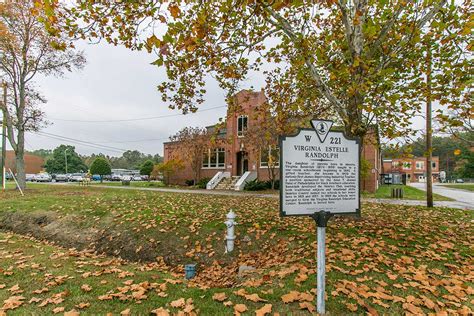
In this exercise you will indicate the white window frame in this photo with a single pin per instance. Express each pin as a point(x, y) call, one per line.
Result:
point(420, 165)
point(241, 133)
point(264, 164)
point(213, 152)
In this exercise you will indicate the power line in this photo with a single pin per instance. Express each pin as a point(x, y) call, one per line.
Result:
point(80, 142)
point(134, 141)
point(136, 119)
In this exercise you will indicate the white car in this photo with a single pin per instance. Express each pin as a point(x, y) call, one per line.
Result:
point(30, 177)
point(43, 177)
point(76, 177)
point(137, 178)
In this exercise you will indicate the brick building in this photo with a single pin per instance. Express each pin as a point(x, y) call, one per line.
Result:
point(33, 164)
point(230, 163)
point(411, 169)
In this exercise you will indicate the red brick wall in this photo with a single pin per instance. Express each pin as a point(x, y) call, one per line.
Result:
point(371, 153)
point(33, 164)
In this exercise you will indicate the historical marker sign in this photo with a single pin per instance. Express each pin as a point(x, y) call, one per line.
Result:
point(319, 172)
point(319, 177)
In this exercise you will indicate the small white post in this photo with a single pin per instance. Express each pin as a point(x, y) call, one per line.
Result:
point(230, 223)
point(321, 278)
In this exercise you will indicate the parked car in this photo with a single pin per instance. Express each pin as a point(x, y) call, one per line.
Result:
point(61, 178)
point(76, 177)
point(459, 181)
point(30, 177)
point(136, 178)
point(96, 177)
point(116, 177)
point(43, 177)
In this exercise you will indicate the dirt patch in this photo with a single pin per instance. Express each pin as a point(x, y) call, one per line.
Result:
point(67, 231)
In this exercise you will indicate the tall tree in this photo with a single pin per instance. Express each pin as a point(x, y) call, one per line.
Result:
point(146, 168)
point(27, 50)
point(101, 167)
point(62, 155)
point(357, 58)
point(192, 144)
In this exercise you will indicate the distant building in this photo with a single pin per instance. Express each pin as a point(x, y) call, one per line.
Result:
point(33, 164)
point(408, 169)
point(231, 158)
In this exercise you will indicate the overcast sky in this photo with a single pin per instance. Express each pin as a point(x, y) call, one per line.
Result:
point(118, 84)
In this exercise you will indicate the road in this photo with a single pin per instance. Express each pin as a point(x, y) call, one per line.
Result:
point(464, 198)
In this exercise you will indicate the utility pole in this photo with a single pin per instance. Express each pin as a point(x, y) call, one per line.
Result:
point(429, 132)
point(65, 157)
point(4, 138)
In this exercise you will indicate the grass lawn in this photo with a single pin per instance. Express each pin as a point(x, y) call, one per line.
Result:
point(462, 186)
point(409, 193)
point(395, 259)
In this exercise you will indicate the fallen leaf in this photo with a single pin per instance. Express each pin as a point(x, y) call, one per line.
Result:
point(125, 312)
point(58, 310)
point(83, 305)
point(220, 297)
point(266, 309)
point(178, 303)
point(290, 297)
point(309, 306)
point(239, 308)
point(352, 307)
point(86, 288)
point(160, 312)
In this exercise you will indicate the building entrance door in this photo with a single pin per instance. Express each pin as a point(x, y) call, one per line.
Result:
point(242, 162)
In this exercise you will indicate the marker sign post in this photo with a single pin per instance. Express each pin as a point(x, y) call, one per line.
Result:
point(319, 177)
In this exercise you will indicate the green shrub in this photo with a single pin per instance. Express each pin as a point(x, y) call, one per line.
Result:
point(189, 182)
point(269, 184)
point(202, 183)
point(256, 185)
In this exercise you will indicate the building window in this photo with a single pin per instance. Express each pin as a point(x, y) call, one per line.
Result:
point(433, 164)
point(406, 165)
point(420, 165)
point(270, 156)
point(242, 124)
point(214, 158)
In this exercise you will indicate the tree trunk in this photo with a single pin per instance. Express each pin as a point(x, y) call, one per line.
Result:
point(20, 160)
point(429, 145)
point(101, 179)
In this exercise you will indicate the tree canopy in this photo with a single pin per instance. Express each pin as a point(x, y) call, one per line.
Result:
point(146, 168)
point(101, 167)
point(363, 61)
point(57, 163)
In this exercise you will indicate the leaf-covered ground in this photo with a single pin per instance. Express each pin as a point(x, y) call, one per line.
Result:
point(395, 260)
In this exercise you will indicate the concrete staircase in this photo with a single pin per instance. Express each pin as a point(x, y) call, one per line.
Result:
point(228, 183)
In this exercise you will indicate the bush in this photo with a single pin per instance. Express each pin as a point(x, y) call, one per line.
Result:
point(277, 184)
point(189, 182)
point(203, 183)
point(256, 185)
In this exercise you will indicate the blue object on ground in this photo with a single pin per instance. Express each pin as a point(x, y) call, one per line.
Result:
point(190, 270)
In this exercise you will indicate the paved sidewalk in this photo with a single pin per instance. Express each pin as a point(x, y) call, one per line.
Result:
point(451, 204)
point(462, 197)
